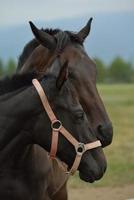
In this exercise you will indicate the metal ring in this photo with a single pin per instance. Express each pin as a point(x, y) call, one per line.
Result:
point(56, 121)
point(80, 149)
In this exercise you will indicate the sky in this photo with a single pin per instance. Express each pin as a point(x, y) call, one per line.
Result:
point(14, 12)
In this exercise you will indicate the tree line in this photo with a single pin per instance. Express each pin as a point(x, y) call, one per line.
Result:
point(118, 71)
point(7, 68)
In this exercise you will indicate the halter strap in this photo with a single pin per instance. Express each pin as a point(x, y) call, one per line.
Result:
point(79, 147)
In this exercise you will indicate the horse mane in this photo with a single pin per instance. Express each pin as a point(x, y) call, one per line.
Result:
point(17, 81)
point(30, 46)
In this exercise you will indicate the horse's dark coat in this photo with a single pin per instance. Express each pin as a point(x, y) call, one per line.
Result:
point(82, 72)
point(36, 58)
point(23, 122)
point(9, 84)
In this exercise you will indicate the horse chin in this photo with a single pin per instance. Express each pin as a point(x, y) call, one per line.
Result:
point(86, 178)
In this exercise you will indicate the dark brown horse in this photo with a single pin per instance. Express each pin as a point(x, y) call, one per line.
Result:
point(23, 122)
point(82, 72)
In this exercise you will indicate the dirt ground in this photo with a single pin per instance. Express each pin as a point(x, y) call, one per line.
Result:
point(102, 193)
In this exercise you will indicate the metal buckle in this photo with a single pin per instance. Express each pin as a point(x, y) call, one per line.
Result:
point(80, 149)
point(53, 124)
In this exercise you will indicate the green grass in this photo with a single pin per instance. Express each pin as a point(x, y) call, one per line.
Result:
point(119, 102)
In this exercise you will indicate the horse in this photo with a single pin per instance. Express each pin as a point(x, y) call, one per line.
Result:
point(49, 45)
point(24, 123)
point(83, 76)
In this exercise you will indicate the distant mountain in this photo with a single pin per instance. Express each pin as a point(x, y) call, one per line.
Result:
point(111, 35)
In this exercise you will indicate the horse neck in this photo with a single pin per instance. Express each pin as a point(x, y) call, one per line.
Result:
point(15, 114)
point(21, 104)
point(15, 149)
point(21, 159)
point(9, 95)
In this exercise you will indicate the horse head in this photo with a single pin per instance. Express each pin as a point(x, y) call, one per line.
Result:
point(66, 107)
point(68, 46)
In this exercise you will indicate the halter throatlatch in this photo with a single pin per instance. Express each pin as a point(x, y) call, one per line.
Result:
point(57, 128)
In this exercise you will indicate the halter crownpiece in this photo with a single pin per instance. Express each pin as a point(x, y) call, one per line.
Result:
point(57, 128)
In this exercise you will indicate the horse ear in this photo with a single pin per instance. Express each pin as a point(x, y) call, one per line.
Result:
point(63, 75)
point(44, 38)
point(84, 32)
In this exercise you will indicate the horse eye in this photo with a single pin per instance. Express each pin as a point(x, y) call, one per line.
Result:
point(80, 115)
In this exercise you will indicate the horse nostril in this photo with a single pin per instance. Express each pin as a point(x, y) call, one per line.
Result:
point(105, 133)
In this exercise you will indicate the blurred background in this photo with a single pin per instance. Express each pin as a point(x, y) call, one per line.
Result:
point(111, 45)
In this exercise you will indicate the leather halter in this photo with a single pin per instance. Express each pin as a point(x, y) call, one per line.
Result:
point(80, 148)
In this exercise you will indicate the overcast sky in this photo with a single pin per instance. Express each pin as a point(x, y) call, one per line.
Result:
point(19, 11)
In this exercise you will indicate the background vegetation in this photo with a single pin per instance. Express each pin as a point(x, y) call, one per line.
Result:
point(7, 68)
point(118, 71)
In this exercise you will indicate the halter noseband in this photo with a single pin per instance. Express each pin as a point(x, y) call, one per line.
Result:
point(80, 148)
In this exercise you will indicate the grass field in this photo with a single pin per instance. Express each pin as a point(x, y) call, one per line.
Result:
point(119, 101)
